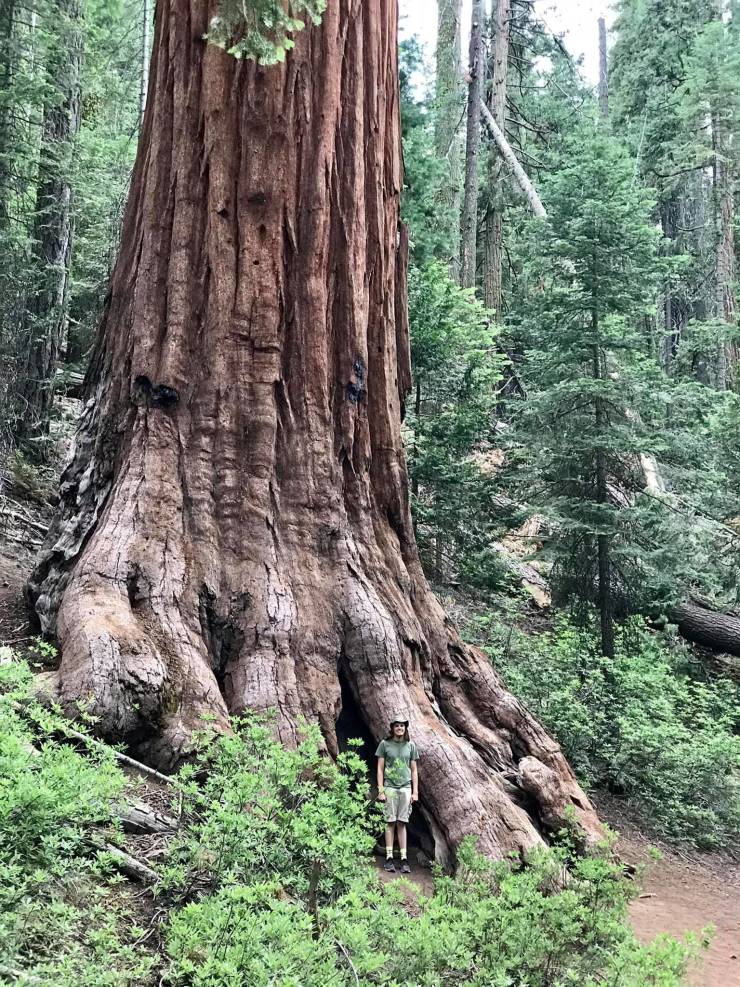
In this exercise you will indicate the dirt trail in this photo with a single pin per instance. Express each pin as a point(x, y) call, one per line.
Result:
point(686, 894)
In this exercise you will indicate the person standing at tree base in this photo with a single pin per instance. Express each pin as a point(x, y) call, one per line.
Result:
point(398, 787)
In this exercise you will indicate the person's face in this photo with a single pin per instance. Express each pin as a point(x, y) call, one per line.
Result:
point(399, 729)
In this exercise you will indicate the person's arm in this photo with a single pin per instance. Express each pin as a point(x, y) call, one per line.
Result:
point(414, 782)
point(381, 772)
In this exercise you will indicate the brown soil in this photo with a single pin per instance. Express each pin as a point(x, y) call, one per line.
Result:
point(685, 892)
point(680, 897)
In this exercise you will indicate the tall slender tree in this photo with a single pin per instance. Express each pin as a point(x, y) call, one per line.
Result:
point(146, 44)
point(603, 70)
point(724, 176)
point(47, 302)
point(591, 273)
point(469, 220)
point(499, 65)
point(665, 131)
point(234, 530)
point(7, 60)
point(449, 111)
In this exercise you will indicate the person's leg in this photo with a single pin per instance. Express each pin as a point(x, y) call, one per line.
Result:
point(391, 814)
point(402, 838)
point(390, 831)
point(404, 813)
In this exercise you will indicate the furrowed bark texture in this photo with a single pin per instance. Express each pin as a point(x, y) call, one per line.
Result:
point(235, 530)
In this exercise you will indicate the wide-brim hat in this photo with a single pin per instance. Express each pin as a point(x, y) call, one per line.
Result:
point(399, 719)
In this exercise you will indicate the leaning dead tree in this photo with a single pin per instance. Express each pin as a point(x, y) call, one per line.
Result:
point(507, 153)
point(234, 529)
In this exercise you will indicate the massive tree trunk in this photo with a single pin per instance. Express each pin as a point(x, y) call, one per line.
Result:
point(234, 530)
point(493, 264)
point(450, 101)
point(46, 326)
point(469, 218)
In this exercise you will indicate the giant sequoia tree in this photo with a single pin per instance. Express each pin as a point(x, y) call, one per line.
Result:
point(234, 529)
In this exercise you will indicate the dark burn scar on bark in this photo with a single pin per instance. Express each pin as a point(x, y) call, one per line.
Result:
point(355, 392)
point(164, 396)
point(138, 586)
point(141, 389)
point(355, 388)
point(222, 633)
point(159, 395)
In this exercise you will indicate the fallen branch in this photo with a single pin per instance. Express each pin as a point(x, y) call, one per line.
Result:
point(72, 734)
point(137, 870)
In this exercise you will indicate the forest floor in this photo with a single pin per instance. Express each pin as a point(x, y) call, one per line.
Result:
point(681, 892)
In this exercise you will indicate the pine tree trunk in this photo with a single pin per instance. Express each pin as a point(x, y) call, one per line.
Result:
point(146, 44)
point(450, 102)
point(469, 221)
point(7, 59)
point(46, 320)
point(710, 628)
point(234, 531)
point(724, 180)
point(603, 71)
point(603, 541)
point(493, 263)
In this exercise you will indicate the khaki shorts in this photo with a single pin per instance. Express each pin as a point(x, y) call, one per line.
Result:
point(397, 804)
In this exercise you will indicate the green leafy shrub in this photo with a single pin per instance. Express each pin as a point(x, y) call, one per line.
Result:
point(263, 812)
point(269, 882)
point(641, 726)
point(492, 924)
point(48, 791)
point(64, 920)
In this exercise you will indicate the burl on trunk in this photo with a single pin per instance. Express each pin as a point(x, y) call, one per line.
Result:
point(234, 531)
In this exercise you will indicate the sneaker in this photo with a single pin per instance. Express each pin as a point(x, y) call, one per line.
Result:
point(405, 868)
point(390, 866)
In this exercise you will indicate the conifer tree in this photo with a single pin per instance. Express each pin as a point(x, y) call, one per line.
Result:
point(47, 304)
point(591, 276)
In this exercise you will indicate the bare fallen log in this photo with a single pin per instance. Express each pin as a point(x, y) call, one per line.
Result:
point(71, 734)
point(710, 628)
point(136, 869)
point(139, 818)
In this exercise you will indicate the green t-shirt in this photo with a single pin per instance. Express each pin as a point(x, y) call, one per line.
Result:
point(398, 757)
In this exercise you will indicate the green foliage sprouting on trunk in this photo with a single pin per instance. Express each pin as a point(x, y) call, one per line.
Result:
point(261, 29)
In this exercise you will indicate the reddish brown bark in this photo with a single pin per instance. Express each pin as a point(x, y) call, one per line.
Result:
point(235, 530)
